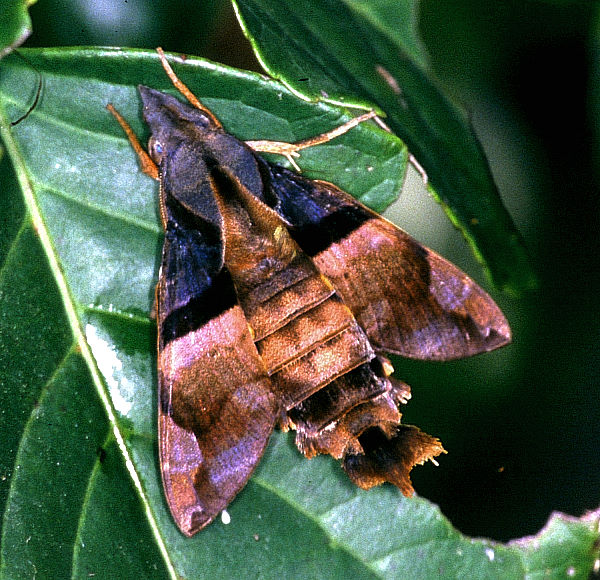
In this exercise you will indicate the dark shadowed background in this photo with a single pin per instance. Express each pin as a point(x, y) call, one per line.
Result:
point(528, 439)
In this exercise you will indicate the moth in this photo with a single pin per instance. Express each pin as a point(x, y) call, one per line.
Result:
point(278, 298)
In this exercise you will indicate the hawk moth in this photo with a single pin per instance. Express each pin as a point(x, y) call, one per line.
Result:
point(278, 298)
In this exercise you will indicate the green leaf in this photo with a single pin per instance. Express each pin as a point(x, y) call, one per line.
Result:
point(80, 488)
point(355, 52)
point(545, 554)
point(15, 24)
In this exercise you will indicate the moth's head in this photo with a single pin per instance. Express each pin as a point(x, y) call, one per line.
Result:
point(171, 121)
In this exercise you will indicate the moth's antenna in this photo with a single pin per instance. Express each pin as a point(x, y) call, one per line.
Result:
point(37, 93)
point(183, 89)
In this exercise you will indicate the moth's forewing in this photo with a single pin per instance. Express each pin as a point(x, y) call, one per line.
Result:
point(216, 405)
point(216, 409)
point(409, 300)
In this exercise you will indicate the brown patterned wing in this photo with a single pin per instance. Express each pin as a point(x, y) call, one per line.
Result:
point(216, 406)
point(409, 300)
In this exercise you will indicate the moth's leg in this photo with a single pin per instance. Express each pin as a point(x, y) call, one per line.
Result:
point(148, 166)
point(182, 88)
point(290, 150)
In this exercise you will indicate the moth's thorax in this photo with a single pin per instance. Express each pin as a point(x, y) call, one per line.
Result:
point(196, 164)
point(257, 244)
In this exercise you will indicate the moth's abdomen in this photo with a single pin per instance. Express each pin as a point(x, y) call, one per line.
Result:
point(356, 418)
point(336, 392)
point(307, 337)
point(332, 419)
